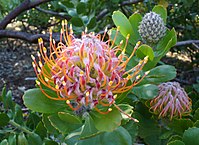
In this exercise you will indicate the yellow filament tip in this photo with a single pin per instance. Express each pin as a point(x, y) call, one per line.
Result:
point(106, 29)
point(33, 58)
point(127, 37)
point(40, 64)
point(44, 49)
point(146, 59)
point(63, 83)
point(121, 42)
point(67, 102)
point(62, 22)
point(138, 77)
point(81, 73)
point(138, 43)
point(110, 83)
point(87, 94)
point(118, 28)
point(33, 64)
point(86, 30)
point(50, 31)
point(66, 22)
point(115, 96)
point(37, 82)
point(128, 77)
point(38, 54)
point(56, 87)
point(109, 32)
point(46, 79)
point(39, 70)
point(146, 73)
point(110, 109)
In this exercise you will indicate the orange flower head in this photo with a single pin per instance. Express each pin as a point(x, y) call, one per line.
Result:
point(86, 71)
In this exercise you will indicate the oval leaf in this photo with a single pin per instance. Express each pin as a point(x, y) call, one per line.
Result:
point(135, 20)
point(147, 91)
point(176, 142)
point(121, 20)
point(76, 21)
point(145, 50)
point(4, 119)
point(69, 118)
point(63, 126)
point(107, 122)
point(120, 136)
point(35, 100)
point(159, 9)
point(191, 136)
point(160, 74)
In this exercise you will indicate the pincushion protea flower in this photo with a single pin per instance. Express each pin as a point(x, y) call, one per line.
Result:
point(87, 71)
point(172, 101)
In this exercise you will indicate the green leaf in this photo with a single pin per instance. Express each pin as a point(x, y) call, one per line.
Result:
point(88, 128)
point(76, 21)
point(121, 20)
point(12, 139)
point(176, 142)
point(180, 125)
point(81, 8)
point(145, 50)
point(18, 117)
point(22, 139)
point(147, 91)
point(4, 119)
point(148, 129)
point(48, 125)
point(107, 122)
point(196, 114)
point(119, 136)
point(175, 137)
point(92, 23)
point(63, 126)
point(135, 20)
point(132, 128)
point(161, 11)
point(32, 120)
point(164, 45)
point(34, 139)
point(196, 87)
point(41, 130)
point(191, 136)
point(4, 142)
point(7, 99)
point(196, 124)
point(159, 74)
point(69, 118)
point(35, 100)
point(50, 142)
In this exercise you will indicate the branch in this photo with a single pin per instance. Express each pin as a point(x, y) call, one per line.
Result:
point(26, 5)
point(67, 17)
point(130, 2)
point(102, 14)
point(187, 42)
point(33, 38)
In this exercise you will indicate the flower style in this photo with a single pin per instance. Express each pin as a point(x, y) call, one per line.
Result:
point(172, 101)
point(87, 71)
